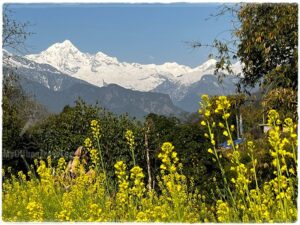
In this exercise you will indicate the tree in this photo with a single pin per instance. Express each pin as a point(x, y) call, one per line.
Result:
point(12, 122)
point(19, 111)
point(265, 39)
point(268, 44)
point(14, 33)
point(19, 114)
point(62, 134)
point(282, 99)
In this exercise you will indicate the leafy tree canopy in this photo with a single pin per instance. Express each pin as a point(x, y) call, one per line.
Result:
point(268, 44)
point(265, 40)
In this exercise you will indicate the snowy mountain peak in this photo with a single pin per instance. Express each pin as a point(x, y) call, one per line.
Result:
point(65, 46)
point(100, 56)
point(171, 65)
point(211, 63)
point(63, 56)
point(94, 68)
point(67, 42)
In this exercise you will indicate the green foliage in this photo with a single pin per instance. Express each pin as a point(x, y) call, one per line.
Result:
point(60, 135)
point(188, 140)
point(264, 39)
point(243, 197)
point(113, 142)
point(19, 111)
point(55, 195)
point(19, 114)
point(284, 100)
point(65, 132)
point(268, 44)
point(197, 163)
point(13, 98)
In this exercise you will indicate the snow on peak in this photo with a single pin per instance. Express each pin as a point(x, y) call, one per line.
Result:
point(175, 65)
point(100, 56)
point(196, 73)
point(94, 68)
point(63, 56)
point(171, 64)
point(211, 63)
point(63, 46)
point(237, 67)
point(67, 43)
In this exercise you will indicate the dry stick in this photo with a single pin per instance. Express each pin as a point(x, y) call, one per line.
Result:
point(148, 158)
point(132, 153)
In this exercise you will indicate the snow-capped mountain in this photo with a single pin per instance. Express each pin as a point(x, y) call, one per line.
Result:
point(44, 74)
point(62, 64)
point(100, 69)
point(54, 90)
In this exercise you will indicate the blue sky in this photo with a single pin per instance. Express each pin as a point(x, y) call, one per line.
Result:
point(143, 33)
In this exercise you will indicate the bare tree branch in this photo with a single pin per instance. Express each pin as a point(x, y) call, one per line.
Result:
point(14, 33)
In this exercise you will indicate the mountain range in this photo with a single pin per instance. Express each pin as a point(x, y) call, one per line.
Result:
point(63, 72)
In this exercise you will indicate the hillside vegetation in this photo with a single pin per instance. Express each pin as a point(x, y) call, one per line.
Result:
point(84, 190)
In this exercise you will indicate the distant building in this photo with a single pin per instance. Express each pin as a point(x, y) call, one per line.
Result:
point(264, 127)
point(225, 145)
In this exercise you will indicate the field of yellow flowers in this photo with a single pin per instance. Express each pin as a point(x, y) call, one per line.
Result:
point(53, 193)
